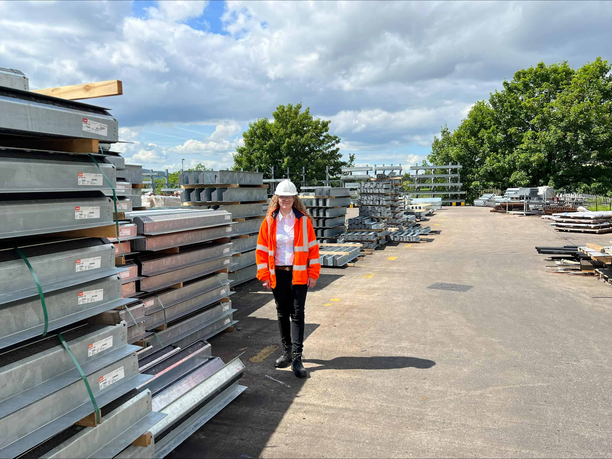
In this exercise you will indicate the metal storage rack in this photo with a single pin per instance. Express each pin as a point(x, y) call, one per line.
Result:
point(451, 195)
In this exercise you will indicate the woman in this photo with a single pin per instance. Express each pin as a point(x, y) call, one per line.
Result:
point(288, 263)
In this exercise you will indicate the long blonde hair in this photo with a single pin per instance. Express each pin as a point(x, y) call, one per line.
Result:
point(297, 204)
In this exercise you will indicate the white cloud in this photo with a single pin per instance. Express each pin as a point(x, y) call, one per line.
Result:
point(383, 72)
point(150, 154)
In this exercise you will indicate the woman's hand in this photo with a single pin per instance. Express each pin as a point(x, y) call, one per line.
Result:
point(311, 282)
point(268, 284)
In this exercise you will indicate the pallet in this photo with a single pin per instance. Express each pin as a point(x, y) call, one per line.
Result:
point(584, 230)
point(221, 203)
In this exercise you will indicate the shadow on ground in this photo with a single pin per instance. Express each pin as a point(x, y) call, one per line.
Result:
point(370, 363)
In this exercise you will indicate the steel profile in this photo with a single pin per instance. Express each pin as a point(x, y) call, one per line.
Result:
point(24, 319)
point(189, 290)
point(151, 265)
point(243, 275)
point(57, 265)
point(29, 172)
point(161, 281)
point(25, 112)
point(64, 404)
point(33, 364)
point(154, 225)
point(166, 241)
point(173, 313)
point(210, 396)
point(27, 217)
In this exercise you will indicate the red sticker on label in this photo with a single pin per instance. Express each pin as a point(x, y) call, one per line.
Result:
point(84, 120)
point(80, 174)
point(78, 261)
point(90, 346)
point(80, 293)
point(77, 208)
point(101, 378)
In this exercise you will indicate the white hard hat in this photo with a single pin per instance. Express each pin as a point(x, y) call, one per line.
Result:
point(286, 188)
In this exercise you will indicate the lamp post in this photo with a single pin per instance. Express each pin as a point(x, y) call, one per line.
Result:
point(183, 166)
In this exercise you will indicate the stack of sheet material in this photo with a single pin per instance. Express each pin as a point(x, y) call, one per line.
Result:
point(583, 222)
point(328, 207)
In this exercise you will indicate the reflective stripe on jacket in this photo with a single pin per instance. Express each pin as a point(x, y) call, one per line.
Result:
point(306, 261)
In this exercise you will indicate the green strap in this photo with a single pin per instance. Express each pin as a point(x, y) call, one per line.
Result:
point(160, 341)
point(164, 309)
point(114, 201)
point(78, 367)
point(131, 315)
point(39, 287)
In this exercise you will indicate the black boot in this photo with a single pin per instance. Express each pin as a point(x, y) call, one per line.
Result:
point(284, 360)
point(297, 367)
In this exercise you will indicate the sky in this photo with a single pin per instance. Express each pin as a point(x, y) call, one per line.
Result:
point(388, 75)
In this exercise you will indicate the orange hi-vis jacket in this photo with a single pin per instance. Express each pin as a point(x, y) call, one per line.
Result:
point(306, 261)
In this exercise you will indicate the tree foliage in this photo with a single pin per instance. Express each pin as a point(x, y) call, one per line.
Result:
point(549, 125)
point(292, 139)
point(173, 178)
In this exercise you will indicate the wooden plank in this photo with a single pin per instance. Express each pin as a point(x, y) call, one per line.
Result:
point(140, 185)
point(89, 420)
point(102, 231)
point(356, 244)
point(48, 143)
point(85, 91)
point(595, 247)
point(144, 440)
point(324, 252)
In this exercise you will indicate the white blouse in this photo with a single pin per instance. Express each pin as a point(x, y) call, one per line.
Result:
point(284, 239)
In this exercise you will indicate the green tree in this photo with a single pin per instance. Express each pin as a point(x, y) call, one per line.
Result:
point(549, 125)
point(292, 139)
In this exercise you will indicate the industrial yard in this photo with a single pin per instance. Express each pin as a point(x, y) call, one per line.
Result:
point(517, 365)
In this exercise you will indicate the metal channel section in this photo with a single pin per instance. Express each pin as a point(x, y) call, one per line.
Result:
point(173, 313)
point(166, 241)
point(158, 264)
point(210, 323)
point(347, 254)
point(57, 265)
point(24, 319)
point(116, 432)
point(244, 260)
point(152, 225)
point(160, 281)
point(209, 397)
point(25, 112)
point(28, 217)
point(64, 404)
point(247, 227)
point(27, 172)
point(244, 210)
point(245, 244)
point(137, 452)
point(190, 290)
point(34, 364)
point(243, 275)
point(192, 358)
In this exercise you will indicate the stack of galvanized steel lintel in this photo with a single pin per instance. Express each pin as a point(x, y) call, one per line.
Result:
point(328, 209)
point(71, 384)
point(244, 196)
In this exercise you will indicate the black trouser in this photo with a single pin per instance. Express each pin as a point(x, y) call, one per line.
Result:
point(290, 300)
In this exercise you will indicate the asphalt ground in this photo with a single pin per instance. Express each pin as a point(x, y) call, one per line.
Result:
point(515, 362)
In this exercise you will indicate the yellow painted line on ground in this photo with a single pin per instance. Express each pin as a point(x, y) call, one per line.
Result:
point(334, 299)
point(263, 354)
point(327, 304)
point(392, 258)
point(441, 220)
point(436, 224)
point(369, 276)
